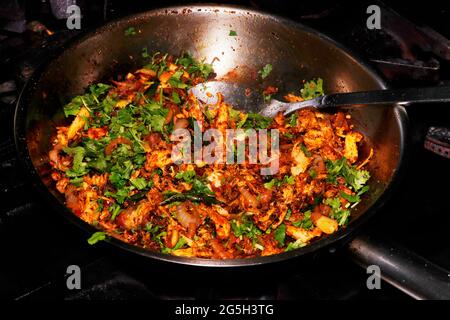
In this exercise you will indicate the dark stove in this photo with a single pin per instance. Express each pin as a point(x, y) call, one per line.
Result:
point(38, 245)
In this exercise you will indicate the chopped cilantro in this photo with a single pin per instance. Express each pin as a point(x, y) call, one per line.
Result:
point(181, 242)
point(195, 67)
point(355, 178)
point(349, 197)
point(188, 176)
point(277, 183)
point(256, 121)
point(305, 222)
point(245, 227)
point(232, 33)
point(337, 213)
point(293, 120)
point(176, 98)
point(79, 167)
point(139, 183)
point(295, 245)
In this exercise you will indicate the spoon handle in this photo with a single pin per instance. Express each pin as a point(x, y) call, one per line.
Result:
point(406, 96)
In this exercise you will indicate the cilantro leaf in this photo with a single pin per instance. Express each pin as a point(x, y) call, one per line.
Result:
point(139, 183)
point(337, 213)
point(295, 245)
point(280, 234)
point(312, 89)
point(278, 183)
point(305, 222)
point(245, 227)
point(115, 210)
point(176, 98)
point(349, 197)
point(232, 33)
point(181, 242)
point(96, 237)
point(154, 115)
point(131, 31)
point(200, 188)
point(98, 89)
point(194, 67)
point(187, 176)
point(293, 120)
point(265, 71)
point(355, 178)
point(73, 107)
point(256, 121)
point(78, 166)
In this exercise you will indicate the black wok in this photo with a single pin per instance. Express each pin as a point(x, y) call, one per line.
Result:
point(295, 51)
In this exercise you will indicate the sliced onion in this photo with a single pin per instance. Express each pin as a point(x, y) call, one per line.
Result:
point(186, 219)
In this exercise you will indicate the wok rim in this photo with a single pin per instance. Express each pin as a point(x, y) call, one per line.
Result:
point(320, 244)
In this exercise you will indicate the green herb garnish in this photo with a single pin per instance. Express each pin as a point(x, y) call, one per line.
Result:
point(131, 31)
point(265, 71)
point(96, 237)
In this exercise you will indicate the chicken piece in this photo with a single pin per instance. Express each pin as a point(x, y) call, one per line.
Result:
point(264, 220)
point(288, 193)
point(96, 133)
point(270, 245)
point(290, 97)
point(306, 120)
point(219, 250)
point(188, 252)
point(77, 123)
point(158, 159)
point(165, 76)
point(172, 235)
point(325, 224)
point(62, 184)
point(300, 159)
point(221, 224)
point(215, 179)
point(248, 200)
point(221, 120)
point(133, 217)
point(303, 234)
point(146, 73)
point(351, 148)
point(123, 103)
point(99, 180)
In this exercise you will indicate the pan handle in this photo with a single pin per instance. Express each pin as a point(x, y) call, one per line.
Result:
point(402, 268)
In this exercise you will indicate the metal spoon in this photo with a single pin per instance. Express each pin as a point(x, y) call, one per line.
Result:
point(240, 98)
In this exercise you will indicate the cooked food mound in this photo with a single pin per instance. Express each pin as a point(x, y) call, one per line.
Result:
point(114, 164)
